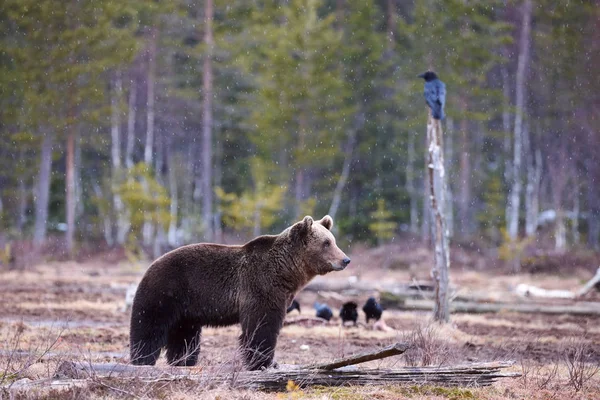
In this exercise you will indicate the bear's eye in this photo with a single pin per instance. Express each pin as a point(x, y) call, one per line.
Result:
point(327, 243)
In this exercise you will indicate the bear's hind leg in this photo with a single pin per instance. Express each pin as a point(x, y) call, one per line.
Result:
point(183, 344)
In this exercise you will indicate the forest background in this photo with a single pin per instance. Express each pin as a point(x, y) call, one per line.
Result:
point(151, 124)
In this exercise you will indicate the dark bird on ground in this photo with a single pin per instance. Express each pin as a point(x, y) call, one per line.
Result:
point(372, 309)
point(294, 306)
point(435, 94)
point(323, 311)
point(349, 312)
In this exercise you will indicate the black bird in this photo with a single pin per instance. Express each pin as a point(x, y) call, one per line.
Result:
point(349, 312)
point(323, 311)
point(294, 306)
point(435, 94)
point(372, 309)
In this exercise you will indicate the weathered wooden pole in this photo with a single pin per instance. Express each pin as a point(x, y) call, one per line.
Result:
point(437, 202)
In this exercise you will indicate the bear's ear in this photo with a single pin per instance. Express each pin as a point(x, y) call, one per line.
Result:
point(327, 222)
point(303, 227)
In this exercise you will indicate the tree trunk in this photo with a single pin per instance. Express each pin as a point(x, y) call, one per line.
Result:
point(148, 148)
point(575, 219)
point(464, 190)
point(522, 65)
point(42, 196)
point(172, 234)
point(348, 157)
point(532, 188)
point(148, 227)
point(437, 196)
point(70, 189)
point(115, 121)
point(116, 95)
point(207, 122)
point(560, 232)
point(410, 185)
point(131, 114)
point(22, 217)
point(449, 157)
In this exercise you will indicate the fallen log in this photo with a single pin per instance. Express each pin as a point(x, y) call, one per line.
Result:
point(327, 374)
point(585, 309)
point(479, 374)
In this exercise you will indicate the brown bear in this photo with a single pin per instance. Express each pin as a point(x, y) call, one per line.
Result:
point(218, 285)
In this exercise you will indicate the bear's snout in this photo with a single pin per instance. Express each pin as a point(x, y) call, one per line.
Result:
point(345, 261)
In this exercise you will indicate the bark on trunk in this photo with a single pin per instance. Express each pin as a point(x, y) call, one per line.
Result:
point(410, 185)
point(70, 189)
point(207, 122)
point(148, 148)
point(115, 130)
point(464, 191)
point(172, 234)
point(117, 177)
point(42, 195)
point(437, 196)
point(575, 219)
point(449, 158)
point(349, 154)
point(532, 189)
point(131, 115)
point(522, 66)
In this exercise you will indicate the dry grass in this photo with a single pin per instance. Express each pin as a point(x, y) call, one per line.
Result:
point(557, 356)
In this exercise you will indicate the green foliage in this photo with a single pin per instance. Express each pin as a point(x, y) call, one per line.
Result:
point(258, 208)
point(382, 226)
point(145, 199)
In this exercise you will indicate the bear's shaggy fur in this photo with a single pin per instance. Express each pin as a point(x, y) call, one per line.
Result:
point(218, 285)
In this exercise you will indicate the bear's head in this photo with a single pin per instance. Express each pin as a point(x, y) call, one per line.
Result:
point(321, 254)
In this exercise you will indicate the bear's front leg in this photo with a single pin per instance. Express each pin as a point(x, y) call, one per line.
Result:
point(260, 329)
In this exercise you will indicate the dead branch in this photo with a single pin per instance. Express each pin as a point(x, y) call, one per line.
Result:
point(393, 350)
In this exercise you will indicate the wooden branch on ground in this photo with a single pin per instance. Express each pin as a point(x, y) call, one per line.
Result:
point(590, 284)
point(393, 350)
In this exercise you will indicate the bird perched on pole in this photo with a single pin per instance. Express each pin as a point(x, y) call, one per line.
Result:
point(435, 94)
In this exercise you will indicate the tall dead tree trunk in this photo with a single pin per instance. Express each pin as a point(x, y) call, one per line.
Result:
point(148, 227)
point(449, 159)
point(42, 194)
point(522, 66)
point(532, 189)
point(410, 185)
point(349, 156)
point(116, 94)
point(70, 188)
point(131, 114)
point(207, 122)
point(151, 77)
point(172, 233)
point(465, 178)
point(437, 196)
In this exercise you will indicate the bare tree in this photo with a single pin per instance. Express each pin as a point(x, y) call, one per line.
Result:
point(42, 193)
point(207, 121)
point(522, 66)
point(131, 113)
point(532, 189)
